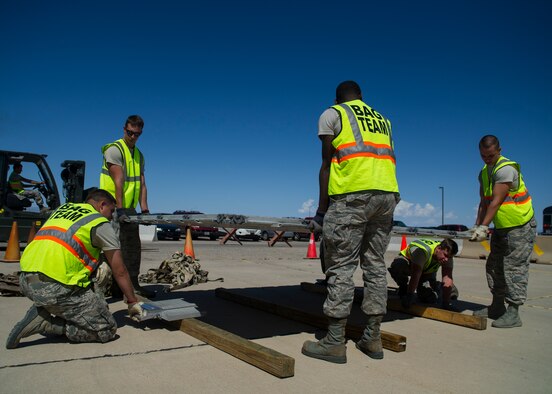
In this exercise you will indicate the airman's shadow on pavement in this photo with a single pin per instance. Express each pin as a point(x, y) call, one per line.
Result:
point(251, 323)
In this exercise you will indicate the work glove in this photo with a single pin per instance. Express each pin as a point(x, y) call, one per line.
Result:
point(135, 311)
point(122, 217)
point(317, 222)
point(479, 233)
point(145, 212)
point(406, 300)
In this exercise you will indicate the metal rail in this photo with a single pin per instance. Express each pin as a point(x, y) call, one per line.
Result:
point(270, 223)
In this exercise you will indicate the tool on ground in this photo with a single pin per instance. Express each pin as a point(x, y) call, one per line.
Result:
point(169, 310)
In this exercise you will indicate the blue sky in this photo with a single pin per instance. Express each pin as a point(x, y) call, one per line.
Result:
point(231, 93)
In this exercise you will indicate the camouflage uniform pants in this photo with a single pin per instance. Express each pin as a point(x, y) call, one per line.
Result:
point(428, 289)
point(86, 316)
point(401, 271)
point(508, 263)
point(357, 229)
point(131, 247)
point(35, 194)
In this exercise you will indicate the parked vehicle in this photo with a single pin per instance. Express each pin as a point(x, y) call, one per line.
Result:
point(547, 221)
point(199, 231)
point(248, 233)
point(452, 227)
point(268, 234)
point(168, 231)
point(305, 235)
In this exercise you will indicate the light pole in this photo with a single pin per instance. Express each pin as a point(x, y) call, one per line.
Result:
point(442, 204)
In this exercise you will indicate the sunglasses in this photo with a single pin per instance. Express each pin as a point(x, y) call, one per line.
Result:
point(133, 133)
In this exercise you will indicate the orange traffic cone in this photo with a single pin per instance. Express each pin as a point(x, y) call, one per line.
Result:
point(12, 251)
point(403, 242)
point(311, 251)
point(32, 233)
point(188, 246)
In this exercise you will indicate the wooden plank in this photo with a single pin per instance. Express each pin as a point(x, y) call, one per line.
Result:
point(9, 289)
point(459, 319)
point(390, 340)
point(262, 357)
point(267, 359)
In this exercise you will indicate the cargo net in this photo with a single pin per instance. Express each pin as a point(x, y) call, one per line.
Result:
point(178, 271)
point(9, 285)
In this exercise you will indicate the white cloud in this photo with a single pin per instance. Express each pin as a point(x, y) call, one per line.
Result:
point(422, 214)
point(408, 209)
point(450, 215)
point(307, 206)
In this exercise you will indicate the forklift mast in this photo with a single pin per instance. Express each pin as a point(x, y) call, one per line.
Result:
point(72, 176)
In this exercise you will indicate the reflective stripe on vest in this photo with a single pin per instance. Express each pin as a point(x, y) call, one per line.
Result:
point(62, 249)
point(517, 208)
point(15, 185)
point(428, 246)
point(364, 158)
point(132, 165)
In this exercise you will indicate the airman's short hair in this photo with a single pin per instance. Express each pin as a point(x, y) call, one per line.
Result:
point(100, 195)
point(449, 245)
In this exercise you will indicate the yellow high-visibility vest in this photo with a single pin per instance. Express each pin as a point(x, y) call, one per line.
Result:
point(364, 158)
point(428, 246)
point(15, 185)
point(517, 208)
point(131, 169)
point(62, 249)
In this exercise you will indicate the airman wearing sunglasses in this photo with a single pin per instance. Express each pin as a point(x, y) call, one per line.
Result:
point(123, 176)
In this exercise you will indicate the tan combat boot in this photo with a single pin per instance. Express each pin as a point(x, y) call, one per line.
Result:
point(370, 342)
point(509, 319)
point(493, 311)
point(332, 347)
point(36, 321)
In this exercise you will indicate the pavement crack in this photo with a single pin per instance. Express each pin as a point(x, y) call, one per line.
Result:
point(539, 298)
point(98, 357)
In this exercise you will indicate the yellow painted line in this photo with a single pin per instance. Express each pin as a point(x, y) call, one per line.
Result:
point(486, 245)
point(538, 250)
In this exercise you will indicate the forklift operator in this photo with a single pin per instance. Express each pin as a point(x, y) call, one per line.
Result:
point(16, 184)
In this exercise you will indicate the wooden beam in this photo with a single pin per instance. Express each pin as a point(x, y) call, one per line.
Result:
point(267, 359)
point(390, 341)
point(459, 319)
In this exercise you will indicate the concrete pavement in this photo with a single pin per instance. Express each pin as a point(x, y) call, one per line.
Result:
point(439, 357)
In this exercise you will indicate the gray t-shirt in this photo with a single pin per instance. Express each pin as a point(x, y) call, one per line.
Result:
point(103, 237)
point(113, 155)
point(506, 174)
point(329, 123)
